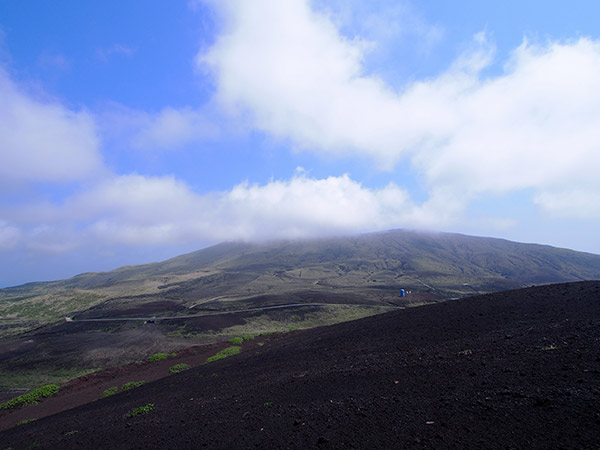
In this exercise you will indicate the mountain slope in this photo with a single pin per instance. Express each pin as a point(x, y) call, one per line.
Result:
point(517, 369)
point(369, 268)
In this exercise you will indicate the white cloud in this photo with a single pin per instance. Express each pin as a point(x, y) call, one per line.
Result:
point(135, 209)
point(139, 210)
point(43, 140)
point(535, 126)
point(169, 129)
point(386, 24)
point(570, 204)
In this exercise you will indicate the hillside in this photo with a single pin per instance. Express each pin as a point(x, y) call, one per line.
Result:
point(126, 314)
point(516, 369)
point(369, 268)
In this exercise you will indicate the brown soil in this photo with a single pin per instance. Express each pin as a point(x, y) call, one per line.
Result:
point(512, 370)
point(89, 388)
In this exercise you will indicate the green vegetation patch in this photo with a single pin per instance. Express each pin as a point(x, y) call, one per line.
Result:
point(132, 385)
point(110, 391)
point(304, 318)
point(236, 340)
point(47, 307)
point(126, 387)
point(24, 421)
point(229, 351)
point(157, 357)
point(160, 356)
point(178, 368)
point(141, 410)
point(31, 398)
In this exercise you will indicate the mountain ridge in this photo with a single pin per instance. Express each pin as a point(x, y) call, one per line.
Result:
point(211, 255)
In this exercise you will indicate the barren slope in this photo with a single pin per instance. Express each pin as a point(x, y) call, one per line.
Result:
point(517, 369)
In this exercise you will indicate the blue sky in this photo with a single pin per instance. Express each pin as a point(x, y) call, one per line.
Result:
point(131, 132)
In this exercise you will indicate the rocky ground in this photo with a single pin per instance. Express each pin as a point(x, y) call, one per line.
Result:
point(517, 369)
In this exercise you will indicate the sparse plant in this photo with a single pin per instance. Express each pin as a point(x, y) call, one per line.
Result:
point(71, 433)
point(465, 352)
point(140, 410)
point(24, 421)
point(236, 340)
point(249, 337)
point(229, 351)
point(260, 344)
point(178, 368)
point(31, 398)
point(268, 404)
point(110, 391)
point(157, 357)
point(132, 385)
point(549, 347)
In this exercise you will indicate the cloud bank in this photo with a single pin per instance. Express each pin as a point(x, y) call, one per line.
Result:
point(534, 126)
point(288, 71)
point(141, 210)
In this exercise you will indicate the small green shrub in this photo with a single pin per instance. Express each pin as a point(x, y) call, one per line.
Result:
point(132, 385)
point(157, 357)
point(249, 337)
point(236, 340)
point(23, 422)
point(178, 368)
point(110, 391)
point(31, 398)
point(229, 351)
point(260, 344)
point(268, 404)
point(141, 410)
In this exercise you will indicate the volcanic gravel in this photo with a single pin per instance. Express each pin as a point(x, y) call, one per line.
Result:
point(512, 370)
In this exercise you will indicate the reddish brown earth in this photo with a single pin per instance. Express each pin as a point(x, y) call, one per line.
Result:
point(513, 370)
point(90, 387)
